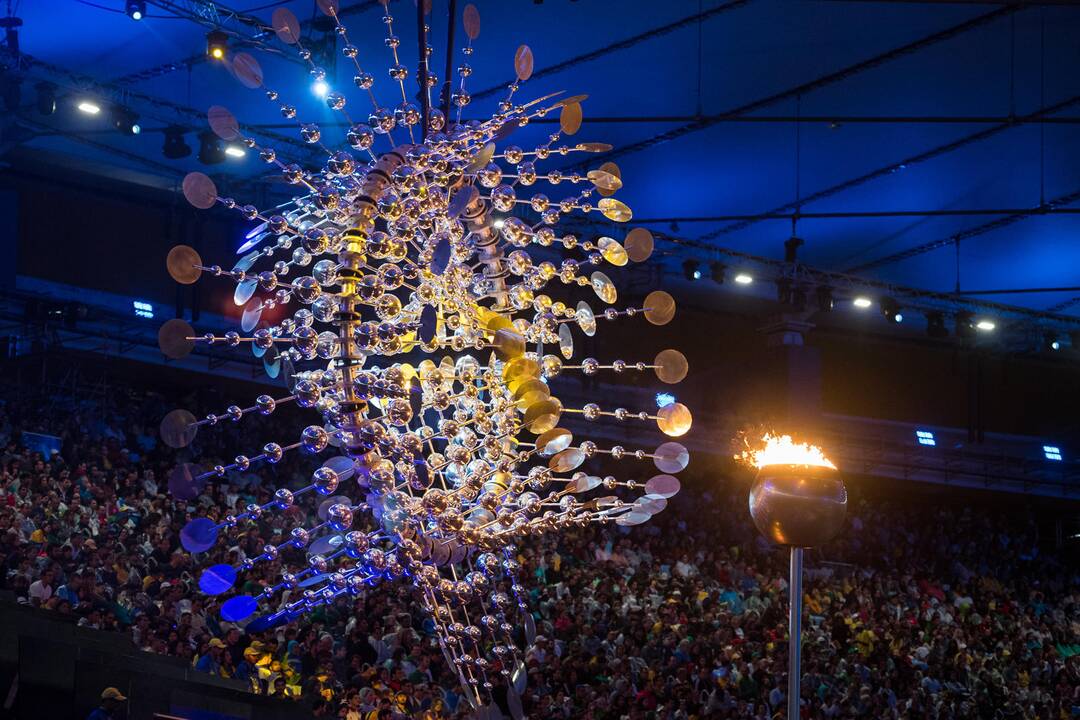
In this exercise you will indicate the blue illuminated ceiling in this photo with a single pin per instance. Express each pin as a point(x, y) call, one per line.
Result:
point(700, 112)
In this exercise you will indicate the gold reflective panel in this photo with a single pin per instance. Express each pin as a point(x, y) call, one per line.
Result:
point(174, 339)
point(585, 318)
point(612, 251)
point(543, 416)
point(611, 169)
point(509, 344)
point(570, 118)
point(659, 307)
point(674, 420)
point(523, 62)
point(639, 244)
point(615, 210)
point(566, 341)
point(567, 460)
point(603, 287)
point(553, 441)
point(604, 180)
point(671, 366)
point(181, 263)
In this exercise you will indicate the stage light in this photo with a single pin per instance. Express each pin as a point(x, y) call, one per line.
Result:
point(744, 278)
point(126, 121)
point(143, 309)
point(498, 224)
point(217, 44)
point(925, 437)
point(211, 151)
point(235, 151)
point(320, 88)
point(46, 98)
point(716, 270)
point(985, 325)
point(824, 298)
point(862, 302)
point(175, 147)
point(1052, 452)
point(691, 269)
point(664, 399)
point(136, 9)
point(89, 107)
point(1051, 342)
point(891, 310)
point(935, 325)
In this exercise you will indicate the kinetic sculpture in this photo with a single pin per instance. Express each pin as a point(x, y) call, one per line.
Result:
point(423, 340)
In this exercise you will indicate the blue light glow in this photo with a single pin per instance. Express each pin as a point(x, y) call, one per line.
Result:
point(1052, 452)
point(925, 437)
point(664, 399)
point(143, 309)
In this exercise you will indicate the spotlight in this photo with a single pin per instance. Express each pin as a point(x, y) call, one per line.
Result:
point(692, 269)
point(217, 43)
point(985, 325)
point(46, 98)
point(136, 9)
point(320, 88)
point(211, 151)
point(716, 269)
point(126, 121)
point(935, 325)
point(175, 147)
point(234, 151)
point(89, 107)
point(498, 224)
point(744, 278)
point(824, 298)
point(1051, 343)
point(862, 302)
point(891, 310)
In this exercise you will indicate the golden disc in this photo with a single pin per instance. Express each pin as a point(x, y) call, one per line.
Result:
point(553, 441)
point(199, 190)
point(567, 460)
point(604, 180)
point(521, 368)
point(615, 210)
point(543, 416)
point(570, 118)
point(531, 386)
point(585, 318)
point(223, 122)
point(286, 25)
point(674, 420)
point(482, 158)
point(639, 244)
point(603, 287)
point(566, 341)
point(659, 307)
point(523, 62)
point(173, 339)
point(509, 344)
point(611, 169)
point(178, 428)
point(593, 147)
point(671, 366)
point(471, 20)
point(182, 263)
point(612, 251)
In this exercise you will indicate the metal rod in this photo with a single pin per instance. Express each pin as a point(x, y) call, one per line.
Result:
point(794, 632)
point(863, 214)
point(451, 23)
point(421, 41)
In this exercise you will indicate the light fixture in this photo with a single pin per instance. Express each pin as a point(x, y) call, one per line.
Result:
point(862, 302)
point(175, 147)
point(891, 310)
point(716, 270)
point(126, 121)
point(985, 325)
point(824, 298)
point(235, 151)
point(320, 88)
point(89, 107)
point(46, 98)
point(143, 309)
point(136, 9)
point(691, 269)
point(1052, 452)
point(217, 44)
point(925, 437)
point(211, 151)
point(744, 278)
point(498, 224)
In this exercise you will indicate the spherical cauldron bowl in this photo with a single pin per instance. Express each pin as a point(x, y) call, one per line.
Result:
point(798, 505)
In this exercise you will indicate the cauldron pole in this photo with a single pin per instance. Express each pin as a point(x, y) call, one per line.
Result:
point(795, 603)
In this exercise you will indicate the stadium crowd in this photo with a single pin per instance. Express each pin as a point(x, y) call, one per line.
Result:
point(916, 611)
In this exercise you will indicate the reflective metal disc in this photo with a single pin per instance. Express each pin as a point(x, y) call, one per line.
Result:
point(593, 147)
point(173, 339)
point(570, 120)
point(251, 316)
point(584, 483)
point(632, 518)
point(671, 457)
point(325, 545)
point(567, 460)
point(183, 484)
point(285, 25)
point(553, 441)
point(329, 7)
point(272, 362)
point(471, 20)
point(199, 190)
point(223, 123)
point(659, 307)
point(178, 428)
point(325, 505)
point(566, 341)
point(523, 62)
point(604, 180)
point(664, 486)
point(247, 70)
point(611, 169)
point(603, 287)
point(244, 290)
point(461, 199)
point(615, 210)
point(586, 320)
point(542, 416)
point(671, 366)
point(639, 244)
point(674, 420)
point(612, 251)
point(182, 263)
point(509, 344)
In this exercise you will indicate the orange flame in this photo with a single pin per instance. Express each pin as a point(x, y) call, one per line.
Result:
point(782, 450)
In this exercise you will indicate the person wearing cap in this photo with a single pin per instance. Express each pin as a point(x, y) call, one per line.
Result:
point(211, 661)
point(111, 699)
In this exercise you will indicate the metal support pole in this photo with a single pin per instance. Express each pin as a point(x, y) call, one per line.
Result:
point(794, 633)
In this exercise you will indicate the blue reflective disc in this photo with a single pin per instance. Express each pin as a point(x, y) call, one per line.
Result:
point(199, 535)
point(238, 608)
point(217, 579)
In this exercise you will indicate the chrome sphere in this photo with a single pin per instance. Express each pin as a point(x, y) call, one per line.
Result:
point(798, 505)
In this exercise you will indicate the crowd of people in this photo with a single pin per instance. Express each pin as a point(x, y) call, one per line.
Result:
point(915, 611)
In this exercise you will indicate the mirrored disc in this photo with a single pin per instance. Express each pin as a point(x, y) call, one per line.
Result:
point(671, 457)
point(542, 416)
point(651, 505)
point(519, 679)
point(440, 551)
point(244, 264)
point(520, 368)
point(570, 120)
point(639, 244)
point(594, 147)
point(632, 518)
point(457, 552)
point(325, 505)
point(615, 210)
point(604, 180)
point(173, 339)
point(471, 20)
point(272, 362)
point(671, 366)
point(252, 314)
point(603, 287)
point(529, 626)
point(316, 579)
point(553, 441)
point(325, 545)
point(566, 341)
point(199, 190)
point(664, 486)
point(611, 169)
point(328, 7)
point(567, 460)
point(247, 70)
point(268, 622)
point(584, 483)
point(183, 482)
point(285, 25)
point(659, 307)
point(612, 251)
point(199, 535)
point(571, 100)
point(345, 469)
point(250, 242)
point(482, 158)
point(182, 263)
point(239, 608)
point(244, 290)
point(586, 320)
point(178, 428)
point(461, 200)
point(217, 579)
point(523, 62)
point(288, 372)
point(674, 420)
point(223, 123)
point(506, 128)
point(429, 323)
point(440, 256)
point(509, 344)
